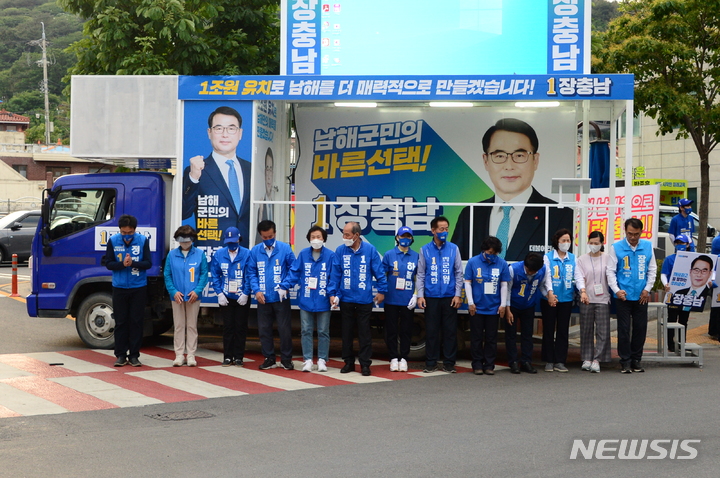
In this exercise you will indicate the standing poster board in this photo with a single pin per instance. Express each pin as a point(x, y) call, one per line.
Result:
point(691, 281)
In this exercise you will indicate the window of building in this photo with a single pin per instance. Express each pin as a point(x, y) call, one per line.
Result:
point(20, 168)
point(57, 171)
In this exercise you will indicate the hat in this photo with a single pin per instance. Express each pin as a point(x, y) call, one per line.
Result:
point(232, 234)
point(404, 230)
point(682, 238)
point(183, 239)
point(685, 202)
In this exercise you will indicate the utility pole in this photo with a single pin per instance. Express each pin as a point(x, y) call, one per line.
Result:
point(44, 87)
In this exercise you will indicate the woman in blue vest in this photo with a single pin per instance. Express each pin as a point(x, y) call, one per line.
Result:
point(556, 306)
point(186, 275)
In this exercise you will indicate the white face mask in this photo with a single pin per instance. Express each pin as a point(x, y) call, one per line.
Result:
point(594, 248)
point(348, 242)
point(316, 243)
point(564, 246)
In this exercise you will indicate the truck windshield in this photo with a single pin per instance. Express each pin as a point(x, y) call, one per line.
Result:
point(76, 210)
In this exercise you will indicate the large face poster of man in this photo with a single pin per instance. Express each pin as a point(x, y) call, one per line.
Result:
point(691, 281)
point(419, 157)
point(216, 170)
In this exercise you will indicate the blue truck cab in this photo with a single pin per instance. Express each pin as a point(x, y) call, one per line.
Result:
point(68, 277)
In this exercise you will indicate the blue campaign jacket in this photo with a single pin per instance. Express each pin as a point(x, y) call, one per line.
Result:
point(224, 270)
point(353, 273)
point(128, 277)
point(632, 267)
point(525, 293)
point(440, 280)
point(186, 274)
point(479, 272)
point(399, 264)
point(306, 268)
point(562, 273)
point(265, 273)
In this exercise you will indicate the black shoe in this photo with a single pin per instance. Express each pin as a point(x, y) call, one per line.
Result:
point(287, 364)
point(431, 368)
point(239, 363)
point(227, 362)
point(527, 367)
point(489, 371)
point(365, 371)
point(514, 367)
point(135, 362)
point(625, 368)
point(450, 369)
point(636, 368)
point(121, 362)
point(348, 367)
point(268, 364)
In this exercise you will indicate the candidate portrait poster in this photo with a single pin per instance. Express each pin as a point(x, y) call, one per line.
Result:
point(691, 281)
point(411, 160)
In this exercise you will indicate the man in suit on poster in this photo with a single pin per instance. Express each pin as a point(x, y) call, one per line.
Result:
point(511, 158)
point(216, 189)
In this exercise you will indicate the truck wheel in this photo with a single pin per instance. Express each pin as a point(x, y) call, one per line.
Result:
point(95, 322)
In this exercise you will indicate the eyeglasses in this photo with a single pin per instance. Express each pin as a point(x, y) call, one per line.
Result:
point(520, 156)
point(695, 270)
point(221, 129)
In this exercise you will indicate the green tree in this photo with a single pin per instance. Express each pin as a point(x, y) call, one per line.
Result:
point(191, 37)
point(673, 49)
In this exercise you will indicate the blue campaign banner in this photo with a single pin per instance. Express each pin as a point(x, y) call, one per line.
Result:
point(566, 49)
point(303, 37)
point(394, 88)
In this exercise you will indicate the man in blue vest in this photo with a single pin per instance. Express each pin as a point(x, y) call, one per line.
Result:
point(631, 274)
point(356, 263)
point(683, 223)
point(439, 285)
point(267, 267)
point(128, 257)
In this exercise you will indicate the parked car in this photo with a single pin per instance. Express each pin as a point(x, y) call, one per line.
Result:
point(17, 230)
point(666, 215)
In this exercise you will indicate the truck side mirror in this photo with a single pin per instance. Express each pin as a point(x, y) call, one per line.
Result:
point(711, 232)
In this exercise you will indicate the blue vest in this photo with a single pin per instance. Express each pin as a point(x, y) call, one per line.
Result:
point(562, 273)
point(353, 273)
point(185, 273)
point(439, 269)
point(266, 273)
point(129, 277)
point(632, 267)
point(229, 274)
point(314, 279)
point(401, 269)
point(524, 292)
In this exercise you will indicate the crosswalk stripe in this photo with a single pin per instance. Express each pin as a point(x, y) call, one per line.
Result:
point(206, 354)
point(8, 371)
point(188, 384)
point(269, 378)
point(145, 359)
point(25, 403)
point(108, 392)
point(70, 363)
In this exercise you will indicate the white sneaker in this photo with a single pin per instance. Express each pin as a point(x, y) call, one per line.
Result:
point(322, 366)
point(595, 366)
point(179, 361)
point(191, 361)
point(394, 365)
point(586, 365)
point(307, 366)
point(403, 365)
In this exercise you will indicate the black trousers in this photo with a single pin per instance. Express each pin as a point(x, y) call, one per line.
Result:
point(440, 318)
point(235, 326)
point(714, 324)
point(483, 340)
point(556, 328)
point(267, 313)
point(526, 319)
point(351, 314)
point(631, 312)
point(676, 315)
point(398, 324)
point(129, 314)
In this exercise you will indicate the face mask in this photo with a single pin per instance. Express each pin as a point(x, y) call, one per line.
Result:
point(688, 210)
point(564, 246)
point(128, 237)
point(489, 257)
point(404, 242)
point(316, 243)
point(233, 246)
point(594, 248)
point(348, 242)
point(269, 242)
point(681, 247)
point(442, 236)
